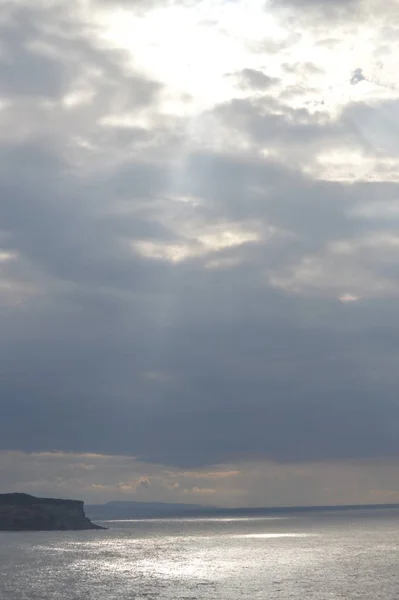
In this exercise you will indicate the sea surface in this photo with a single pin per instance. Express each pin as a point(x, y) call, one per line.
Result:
point(308, 556)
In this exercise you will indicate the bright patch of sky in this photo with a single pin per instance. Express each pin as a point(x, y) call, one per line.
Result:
point(192, 50)
point(197, 51)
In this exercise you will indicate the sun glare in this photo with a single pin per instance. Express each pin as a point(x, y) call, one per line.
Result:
point(193, 51)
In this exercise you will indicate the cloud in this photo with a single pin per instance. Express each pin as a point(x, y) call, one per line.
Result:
point(193, 287)
point(257, 80)
point(329, 18)
point(202, 491)
point(319, 3)
point(145, 483)
point(357, 77)
point(99, 478)
point(322, 8)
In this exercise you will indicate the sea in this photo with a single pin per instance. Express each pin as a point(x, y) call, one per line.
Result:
point(321, 555)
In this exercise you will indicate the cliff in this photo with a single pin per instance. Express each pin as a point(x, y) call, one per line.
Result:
point(22, 512)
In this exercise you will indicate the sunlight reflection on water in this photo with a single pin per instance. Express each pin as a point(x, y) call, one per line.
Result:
point(313, 558)
point(198, 520)
point(273, 535)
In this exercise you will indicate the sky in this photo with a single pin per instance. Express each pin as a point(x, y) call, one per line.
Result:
point(199, 250)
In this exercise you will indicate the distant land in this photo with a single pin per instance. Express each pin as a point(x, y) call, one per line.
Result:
point(152, 510)
point(23, 512)
point(143, 510)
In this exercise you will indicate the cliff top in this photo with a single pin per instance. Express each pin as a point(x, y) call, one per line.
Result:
point(20, 499)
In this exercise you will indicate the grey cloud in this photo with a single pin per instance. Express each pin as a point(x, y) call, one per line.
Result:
point(144, 483)
point(254, 79)
point(326, 3)
point(322, 14)
point(242, 387)
point(375, 124)
point(248, 370)
point(27, 69)
point(265, 399)
point(295, 135)
point(271, 46)
point(39, 63)
point(142, 6)
point(329, 6)
point(248, 380)
point(302, 67)
point(357, 77)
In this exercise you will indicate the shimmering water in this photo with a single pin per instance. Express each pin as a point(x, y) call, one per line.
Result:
point(315, 556)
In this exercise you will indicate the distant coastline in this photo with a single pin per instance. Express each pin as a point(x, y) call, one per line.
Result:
point(152, 510)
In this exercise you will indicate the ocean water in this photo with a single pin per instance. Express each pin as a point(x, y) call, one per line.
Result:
point(309, 556)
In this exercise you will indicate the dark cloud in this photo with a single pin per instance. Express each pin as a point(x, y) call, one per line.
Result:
point(357, 77)
point(272, 124)
point(257, 80)
point(321, 13)
point(252, 371)
point(237, 351)
point(318, 3)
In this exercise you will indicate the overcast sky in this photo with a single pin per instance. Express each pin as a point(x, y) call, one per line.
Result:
point(199, 250)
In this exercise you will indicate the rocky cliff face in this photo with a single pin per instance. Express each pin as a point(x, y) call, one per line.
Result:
point(22, 512)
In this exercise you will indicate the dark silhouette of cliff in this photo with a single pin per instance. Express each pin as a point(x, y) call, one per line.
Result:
point(22, 512)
